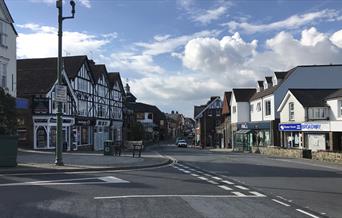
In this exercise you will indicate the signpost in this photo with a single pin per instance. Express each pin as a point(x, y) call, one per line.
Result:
point(60, 93)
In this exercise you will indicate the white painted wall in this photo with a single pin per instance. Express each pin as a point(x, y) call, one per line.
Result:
point(273, 109)
point(234, 115)
point(8, 55)
point(299, 111)
point(256, 115)
point(243, 112)
point(334, 113)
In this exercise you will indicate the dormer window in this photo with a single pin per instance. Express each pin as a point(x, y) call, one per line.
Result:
point(265, 85)
point(275, 81)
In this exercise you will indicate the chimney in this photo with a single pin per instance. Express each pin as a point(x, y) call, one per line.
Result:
point(92, 62)
point(176, 112)
point(127, 88)
point(172, 112)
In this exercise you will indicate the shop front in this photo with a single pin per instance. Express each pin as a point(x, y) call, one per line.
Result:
point(44, 132)
point(291, 135)
point(257, 133)
point(82, 133)
point(316, 135)
point(101, 133)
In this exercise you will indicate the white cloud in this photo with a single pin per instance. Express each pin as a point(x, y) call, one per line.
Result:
point(210, 15)
point(336, 38)
point(166, 44)
point(41, 41)
point(85, 3)
point(292, 22)
point(204, 16)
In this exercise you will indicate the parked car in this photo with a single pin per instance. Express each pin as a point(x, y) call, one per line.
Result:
point(182, 143)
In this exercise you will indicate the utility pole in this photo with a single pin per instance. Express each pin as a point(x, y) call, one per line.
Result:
point(59, 148)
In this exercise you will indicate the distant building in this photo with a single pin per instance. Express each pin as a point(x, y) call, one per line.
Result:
point(226, 124)
point(175, 124)
point(207, 118)
point(8, 51)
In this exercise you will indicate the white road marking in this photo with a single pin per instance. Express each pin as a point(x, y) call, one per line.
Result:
point(193, 174)
point(280, 202)
point(202, 178)
point(227, 182)
point(106, 179)
point(257, 194)
point(185, 171)
point(241, 187)
point(239, 194)
point(225, 187)
point(212, 182)
point(207, 174)
point(307, 213)
point(217, 178)
point(166, 196)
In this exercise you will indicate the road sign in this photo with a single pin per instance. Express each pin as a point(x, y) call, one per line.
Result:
point(290, 127)
point(60, 93)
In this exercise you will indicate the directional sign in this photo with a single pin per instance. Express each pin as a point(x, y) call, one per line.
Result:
point(290, 127)
point(60, 93)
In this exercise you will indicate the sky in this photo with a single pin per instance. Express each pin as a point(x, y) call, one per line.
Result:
point(177, 53)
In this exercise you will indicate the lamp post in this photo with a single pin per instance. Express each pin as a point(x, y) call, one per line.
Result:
point(59, 5)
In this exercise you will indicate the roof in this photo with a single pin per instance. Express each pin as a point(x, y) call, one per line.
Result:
point(9, 16)
point(336, 94)
point(243, 95)
point(98, 70)
point(198, 109)
point(226, 102)
point(114, 77)
point(43, 71)
point(212, 100)
point(280, 75)
point(312, 97)
point(268, 79)
point(139, 107)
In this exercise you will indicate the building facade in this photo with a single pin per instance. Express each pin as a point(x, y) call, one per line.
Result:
point(8, 51)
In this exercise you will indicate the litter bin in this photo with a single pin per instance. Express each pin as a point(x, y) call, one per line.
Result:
point(108, 148)
point(307, 154)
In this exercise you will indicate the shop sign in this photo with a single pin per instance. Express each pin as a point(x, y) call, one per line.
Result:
point(290, 127)
point(254, 125)
point(315, 127)
point(83, 122)
point(40, 105)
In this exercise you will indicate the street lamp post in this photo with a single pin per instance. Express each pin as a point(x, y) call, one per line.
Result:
point(59, 4)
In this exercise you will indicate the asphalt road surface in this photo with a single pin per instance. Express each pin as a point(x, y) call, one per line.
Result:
point(199, 184)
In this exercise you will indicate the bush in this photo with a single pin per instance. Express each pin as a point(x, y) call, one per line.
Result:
point(8, 120)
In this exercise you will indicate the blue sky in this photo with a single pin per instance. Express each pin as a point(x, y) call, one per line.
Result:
point(177, 53)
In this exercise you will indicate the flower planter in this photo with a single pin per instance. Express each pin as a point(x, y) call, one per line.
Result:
point(8, 151)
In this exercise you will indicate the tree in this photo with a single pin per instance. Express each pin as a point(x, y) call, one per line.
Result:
point(137, 132)
point(8, 120)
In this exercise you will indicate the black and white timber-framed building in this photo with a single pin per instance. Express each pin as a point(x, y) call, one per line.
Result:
point(88, 114)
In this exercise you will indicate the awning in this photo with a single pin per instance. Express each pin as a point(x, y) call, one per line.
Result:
point(243, 131)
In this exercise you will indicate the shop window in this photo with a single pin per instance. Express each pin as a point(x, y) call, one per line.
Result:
point(267, 107)
point(41, 137)
point(291, 111)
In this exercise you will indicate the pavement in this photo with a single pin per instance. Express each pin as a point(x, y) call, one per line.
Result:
point(200, 183)
point(43, 161)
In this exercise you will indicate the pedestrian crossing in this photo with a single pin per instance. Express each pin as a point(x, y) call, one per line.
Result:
point(234, 189)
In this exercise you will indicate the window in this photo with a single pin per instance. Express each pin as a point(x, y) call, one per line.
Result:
point(140, 116)
point(252, 107)
point(340, 107)
point(3, 75)
point(291, 111)
point(318, 113)
point(3, 34)
point(258, 107)
point(267, 107)
point(234, 109)
point(150, 116)
point(82, 107)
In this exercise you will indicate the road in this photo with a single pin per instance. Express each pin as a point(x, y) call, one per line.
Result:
point(199, 184)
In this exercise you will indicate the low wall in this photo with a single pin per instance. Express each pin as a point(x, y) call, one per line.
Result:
point(279, 152)
point(327, 156)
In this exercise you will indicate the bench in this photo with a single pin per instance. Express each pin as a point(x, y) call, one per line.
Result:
point(136, 147)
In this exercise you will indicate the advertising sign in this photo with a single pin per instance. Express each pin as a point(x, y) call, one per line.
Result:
point(290, 127)
point(315, 127)
point(40, 105)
